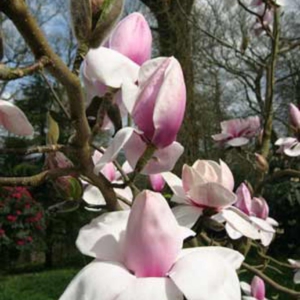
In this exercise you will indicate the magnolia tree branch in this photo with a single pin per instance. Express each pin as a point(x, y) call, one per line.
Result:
point(38, 149)
point(38, 179)
point(16, 73)
point(271, 69)
point(17, 11)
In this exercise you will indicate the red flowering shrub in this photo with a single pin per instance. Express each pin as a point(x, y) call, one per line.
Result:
point(21, 218)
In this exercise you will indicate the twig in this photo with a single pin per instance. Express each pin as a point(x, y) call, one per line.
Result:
point(16, 73)
point(38, 149)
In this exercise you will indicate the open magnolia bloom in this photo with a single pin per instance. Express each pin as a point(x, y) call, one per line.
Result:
point(296, 265)
point(139, 255)
point(14, 120)
point(290, 146)
point(237, 132)
point(93, 196)
point(157, 107)
point(257, 210)
point(207, 185)
point(255, 291)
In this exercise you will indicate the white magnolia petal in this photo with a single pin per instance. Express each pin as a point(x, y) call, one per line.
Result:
point(266, 238)
point(187, 215)
point(285, 141)
point(232, 233)
point(119, 141)
point(103, 237)
point(240, 222)
point(234, 258)
point(195, 275)
point(129, 94)
point(293, 151)
point(297, 277)
point(175, 184)
point(93, 196)
point(113, 74)
point(238, 142)
point(294, 263)
point(151, 288)
point(164, 159)
point(262, 224)
point(248, 298)
point(95, 281)
point(272, 222)
point(246, 288)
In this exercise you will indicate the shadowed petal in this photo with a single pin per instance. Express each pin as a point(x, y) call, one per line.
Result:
point(187, 215)
point(95, 281)
point(205, 275)
point(151, 289)
point(103, 237)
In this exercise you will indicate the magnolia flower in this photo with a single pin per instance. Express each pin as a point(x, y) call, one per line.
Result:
point(157, 182)
point(128, 46)
point(157, 107)
point(296, 264)
point(255, 291)
point(93, 196)
point(141, 253)
point(258, 211)
point(14, 120)
point(290, 146)
point(207, 185)
point(237, 132)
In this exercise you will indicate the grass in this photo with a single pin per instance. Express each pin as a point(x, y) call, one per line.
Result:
point(47, 285)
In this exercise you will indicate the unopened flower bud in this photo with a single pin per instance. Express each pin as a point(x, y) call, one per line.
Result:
point(261, 163)
point(295, 116)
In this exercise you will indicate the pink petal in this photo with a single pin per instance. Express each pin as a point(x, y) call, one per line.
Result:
point(208, 170)
point(151, 288)
point(153, 237)
point(206, 275)
point(113, 74)
point(96, 279)
point(145, 104)
point(259, 208)
point(244, 200)
point(132, 37)
point(170, 106)
point(14, 120)
point(258, 288)
point(190, 177)
point(211, 195)
point(295, 115)
point(102, 237)
point(157, 182)
point(226, 178)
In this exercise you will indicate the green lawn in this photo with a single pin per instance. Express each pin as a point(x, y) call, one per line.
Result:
point(47, 285)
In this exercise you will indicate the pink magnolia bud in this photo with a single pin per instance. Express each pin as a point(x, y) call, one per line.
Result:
point(132, 37)
point(157, 182)
point(161, 100)
point(258, 288)
point(260, 208)
point(295, 116)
